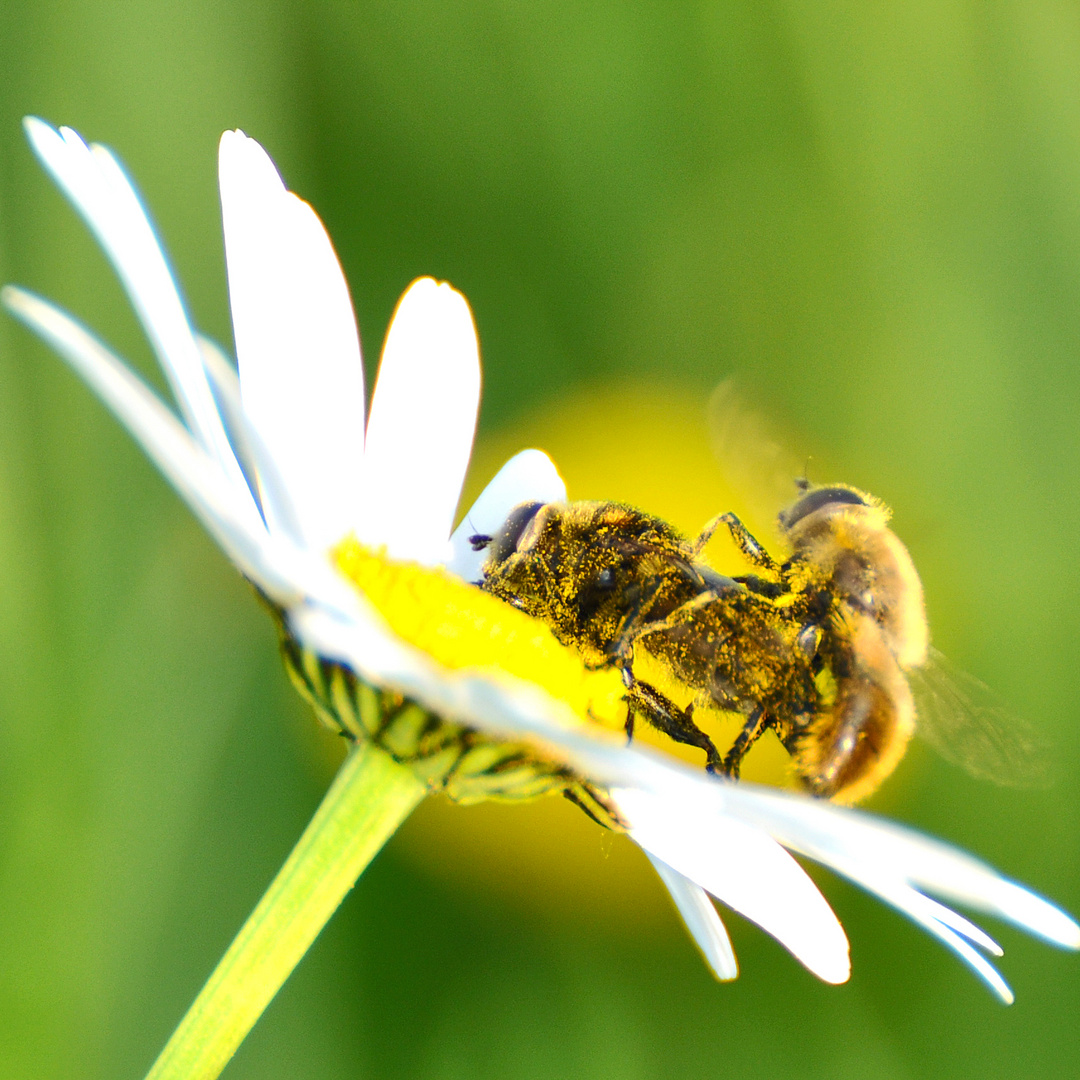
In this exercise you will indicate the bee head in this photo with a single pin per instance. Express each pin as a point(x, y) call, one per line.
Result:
point(819, 499)
point(509, 536)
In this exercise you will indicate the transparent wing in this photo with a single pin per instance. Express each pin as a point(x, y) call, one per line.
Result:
point(755, 457)
point(967, 724)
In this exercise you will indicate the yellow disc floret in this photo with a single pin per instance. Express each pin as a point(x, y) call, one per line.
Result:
point(463, 629)
point(460, 627)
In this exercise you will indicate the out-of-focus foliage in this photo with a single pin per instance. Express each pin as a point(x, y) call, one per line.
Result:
point(869, 213)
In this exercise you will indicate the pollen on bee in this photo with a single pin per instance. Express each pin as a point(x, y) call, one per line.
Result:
point(460, 627)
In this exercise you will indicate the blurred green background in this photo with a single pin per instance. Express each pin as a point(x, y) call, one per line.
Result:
point(870, 216)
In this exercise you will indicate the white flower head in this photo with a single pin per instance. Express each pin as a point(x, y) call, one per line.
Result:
point(278, 463)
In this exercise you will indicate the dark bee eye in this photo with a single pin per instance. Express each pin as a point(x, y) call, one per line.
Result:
point(606, 578)
point(815, 500)
point(504, 543)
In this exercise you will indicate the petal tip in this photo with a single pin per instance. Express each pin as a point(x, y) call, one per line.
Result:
point(42, 136)
point(1069, 935)
point(33, 125)
point(834, 973)
point(830, 960)
point(9, 295)
point(1038, 916)
point(243, 161)
point(429, 289)
point(436, 320)
point(234, 140)
point(420, 284)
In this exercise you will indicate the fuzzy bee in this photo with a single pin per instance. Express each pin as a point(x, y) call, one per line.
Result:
point(817, 646)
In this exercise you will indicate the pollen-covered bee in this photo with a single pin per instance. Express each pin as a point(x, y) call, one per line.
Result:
point(849, 582)
point(815, 647)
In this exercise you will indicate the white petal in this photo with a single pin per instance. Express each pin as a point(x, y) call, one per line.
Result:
point(296, 341)
point(264, 481)
point(225, 386)
point(878, 855)
point(947, 917)
point(530, 476)
point(98, 187)
point(423, 418)
point(747, 870)
point(948, 927)
point(702, 920)
point(234, 522)
point(978, 963)
point(864, 845)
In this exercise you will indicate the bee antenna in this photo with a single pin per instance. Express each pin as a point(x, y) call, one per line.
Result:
point(803, 482)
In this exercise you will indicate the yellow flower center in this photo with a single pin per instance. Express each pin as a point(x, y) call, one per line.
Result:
point(461, 628)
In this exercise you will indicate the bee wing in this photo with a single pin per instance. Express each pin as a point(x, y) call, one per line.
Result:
point(967, 724)
point(753, 455)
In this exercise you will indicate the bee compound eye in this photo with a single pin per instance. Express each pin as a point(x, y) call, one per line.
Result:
point(815, 500)
point(505, 541)
point(606, 578)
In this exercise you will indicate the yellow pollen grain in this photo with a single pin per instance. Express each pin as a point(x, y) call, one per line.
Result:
point(461, 628)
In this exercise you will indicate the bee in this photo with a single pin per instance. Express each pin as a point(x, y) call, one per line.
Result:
point(610, 579)
point(853, 590)
point(851, 587)
point(816, 647)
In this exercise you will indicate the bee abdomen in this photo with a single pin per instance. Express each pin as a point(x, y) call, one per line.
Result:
point(850, 747)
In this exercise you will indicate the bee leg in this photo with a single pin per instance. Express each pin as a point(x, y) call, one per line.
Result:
point(667, 717)
point(684, 612)
point(753, 729)
point(619, 650)
point(746, 542)
point(706, 534)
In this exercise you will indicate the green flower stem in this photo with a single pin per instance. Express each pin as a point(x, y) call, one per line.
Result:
point(370, 797)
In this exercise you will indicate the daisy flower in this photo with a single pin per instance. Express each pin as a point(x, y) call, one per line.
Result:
point(345, 527)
